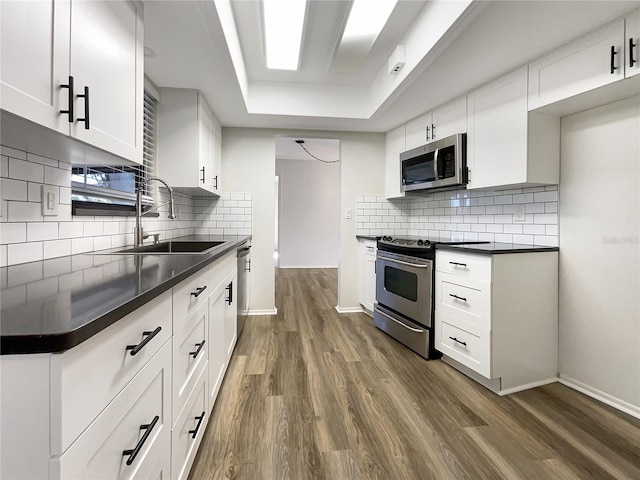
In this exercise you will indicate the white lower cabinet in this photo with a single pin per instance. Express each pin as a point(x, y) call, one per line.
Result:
point(496, 317)
point(133, 401)
point(126, 439)
point(189, 429)
point(367, 288)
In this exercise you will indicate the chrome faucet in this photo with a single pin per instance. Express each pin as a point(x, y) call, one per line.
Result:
point(138, 233)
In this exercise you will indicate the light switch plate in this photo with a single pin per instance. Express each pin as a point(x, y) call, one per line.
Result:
point(519, 215)
point(50, 200)
point(347, 213)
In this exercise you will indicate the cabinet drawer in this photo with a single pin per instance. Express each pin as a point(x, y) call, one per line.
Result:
point(464, 265)
point(100, 451)
point(189, 430)
point(469, 349)
point(466, 299)
point(189, 295)
point(190, 353)
point(87, 377)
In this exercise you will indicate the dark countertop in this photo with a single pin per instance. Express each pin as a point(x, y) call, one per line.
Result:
point(493, 248)
point(53, 305)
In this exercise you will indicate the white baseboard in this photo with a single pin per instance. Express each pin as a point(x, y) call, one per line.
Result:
point(310, 266)
point(626, 407)
point(273, 311)
point(527, 386)
point(340, 309)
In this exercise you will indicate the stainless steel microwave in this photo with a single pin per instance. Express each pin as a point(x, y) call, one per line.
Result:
point(437, 165)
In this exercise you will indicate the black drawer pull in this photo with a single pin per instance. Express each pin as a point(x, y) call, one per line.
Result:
point(459, 341)
point(433, 132)
point(69, 109)
point(147, 428)
point(460, 264)
point(198, 291)
point(195, 432)
point(86, 108)
point(631, 47)
point(229, 288)
point(203, 176)
point(199, 345)
point(148, 336)
point(215, 182)
point(459, 298)
point(613, 59)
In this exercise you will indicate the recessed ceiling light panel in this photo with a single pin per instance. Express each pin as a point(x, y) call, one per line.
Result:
point(283, 25)
point(366, 21)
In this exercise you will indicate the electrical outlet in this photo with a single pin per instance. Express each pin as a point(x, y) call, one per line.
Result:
point(347, 213)
point(518, 215)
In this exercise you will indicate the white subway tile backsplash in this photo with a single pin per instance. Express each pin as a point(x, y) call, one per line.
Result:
point(14, 189)
point(57, 248)
point(503, 199)
point(13, 233)
point(534, 229)
point(4, 166)
point(524, 198)
point(56, 176)
point(23, 170)
point(3, 255)
point(551, 207)
point(102, 243)
point(551, 196)
point(24, 252)
point(12, 152)
point(513, 228)
point(523, 239)
point(38, 231)
point(81, 245)
point(546, 218)
point(23, 211)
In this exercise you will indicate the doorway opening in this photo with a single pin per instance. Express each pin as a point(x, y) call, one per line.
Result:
point(307, 183)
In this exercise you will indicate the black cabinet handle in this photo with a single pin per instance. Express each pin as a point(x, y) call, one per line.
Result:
point(459, 341)
point(86, 108)
point(198, 291)
point(195, 431)
point(631, 47)
point(457, 263)
point(459, 298)
point(427, 133)
point(148, 336)
point(613, 59)
point(229, 288)
point(134, 453)
point(203, 176)
point(69, 110)
point(199, 345)
point(247, 265)
point(215, 182)
point(433, 132)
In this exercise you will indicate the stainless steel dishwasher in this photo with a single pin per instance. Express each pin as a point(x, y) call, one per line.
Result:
point(244, 268)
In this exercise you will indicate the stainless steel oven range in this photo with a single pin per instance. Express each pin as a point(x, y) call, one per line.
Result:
point(404, 292)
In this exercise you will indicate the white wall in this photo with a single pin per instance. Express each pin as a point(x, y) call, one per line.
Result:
point(248, 162)
point(309, 229)
point(599, 252)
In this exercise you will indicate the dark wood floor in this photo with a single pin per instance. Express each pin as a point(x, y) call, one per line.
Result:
point(314, 394)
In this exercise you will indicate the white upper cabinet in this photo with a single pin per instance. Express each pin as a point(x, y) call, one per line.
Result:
point(107, 61)
point(418, 131)
point(188, 141)
point(395, 145)
point(449, 119)
point(446, 120)
point(632, 44)
point(34, 43)
point(507, 145)
point(589, 62)
point(78, 68)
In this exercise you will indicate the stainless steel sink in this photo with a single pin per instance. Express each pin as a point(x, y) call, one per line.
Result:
point(172, 247)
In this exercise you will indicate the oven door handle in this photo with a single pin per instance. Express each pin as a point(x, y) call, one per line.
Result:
point(387, 259)
point(416, 330)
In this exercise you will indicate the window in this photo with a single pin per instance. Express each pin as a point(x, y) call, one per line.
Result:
point(111, 189)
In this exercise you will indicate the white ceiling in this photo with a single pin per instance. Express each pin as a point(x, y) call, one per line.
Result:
point(198, 44)
point(328, 149)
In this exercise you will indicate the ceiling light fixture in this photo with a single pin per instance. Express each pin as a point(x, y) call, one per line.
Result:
point(301, 143)
point(366, 21)
point(283, 24)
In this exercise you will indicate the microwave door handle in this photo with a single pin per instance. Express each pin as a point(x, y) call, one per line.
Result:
point(435, 164)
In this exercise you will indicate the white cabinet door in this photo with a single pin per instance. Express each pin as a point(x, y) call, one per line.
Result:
point(591, 61)
point(107, 58)
point(217, 351)
point(418, 131)
point(205, 144)
point(231, 316)
point(367, 289)
point(34, 58)
point(394, 147)
point(497, 133)
point(216, 153)
point(632, 44)
point(449, 119)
